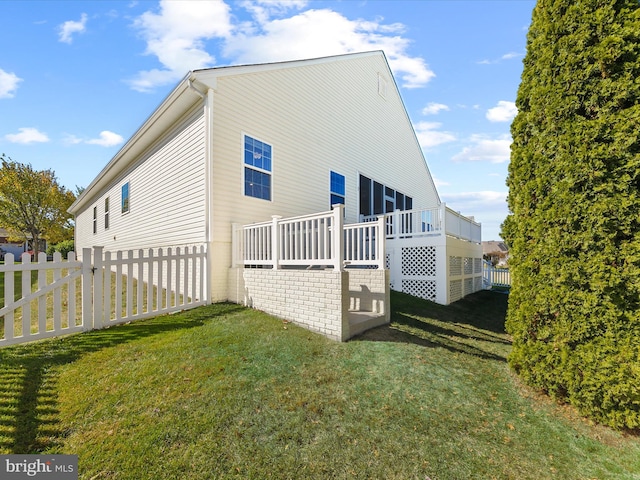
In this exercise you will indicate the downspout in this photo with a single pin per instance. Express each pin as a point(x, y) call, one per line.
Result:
point(208, 128)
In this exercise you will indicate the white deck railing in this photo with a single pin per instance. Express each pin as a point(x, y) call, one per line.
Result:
point(430, 222)
point(310, 241)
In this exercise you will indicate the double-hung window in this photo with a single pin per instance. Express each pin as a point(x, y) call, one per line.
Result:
point(337, 189)
point(257, 168)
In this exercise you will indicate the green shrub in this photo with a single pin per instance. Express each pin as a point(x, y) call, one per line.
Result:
point(574, 197)
point(63, 247)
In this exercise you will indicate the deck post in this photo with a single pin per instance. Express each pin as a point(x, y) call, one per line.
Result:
point(275, 241)
point(337, 241)
point(381, 250)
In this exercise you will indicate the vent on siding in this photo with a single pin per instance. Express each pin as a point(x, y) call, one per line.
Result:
point(382, 86)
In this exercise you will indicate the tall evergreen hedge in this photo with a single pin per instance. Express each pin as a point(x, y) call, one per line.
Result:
point(574, 198)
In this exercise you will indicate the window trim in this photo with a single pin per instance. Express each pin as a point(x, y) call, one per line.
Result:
point(333, 193)
point(247, 166)
point(125, 207)
point(106, 213)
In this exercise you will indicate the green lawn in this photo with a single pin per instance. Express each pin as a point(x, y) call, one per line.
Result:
point(226, 392)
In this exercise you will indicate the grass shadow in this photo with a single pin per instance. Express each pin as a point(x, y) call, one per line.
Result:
point(28, 373)
point(472, 326)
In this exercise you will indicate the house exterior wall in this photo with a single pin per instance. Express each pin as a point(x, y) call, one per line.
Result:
point(166, 188)
point(318, 118)
point(341, 114)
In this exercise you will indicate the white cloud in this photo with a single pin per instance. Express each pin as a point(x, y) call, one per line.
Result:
point(440, 183)
point(506, 56)
point(68, 28)
point(485, 197)
point(27, 136)
point(434, 108)
point(262, 10)
point(71, 140)
point(503, 112)
point(429, 136)
point(106, 139)
point(324, 32)
point(8, 84)
point(483, 149)
point(487, 207)
point(176, 35)
point(510, 55)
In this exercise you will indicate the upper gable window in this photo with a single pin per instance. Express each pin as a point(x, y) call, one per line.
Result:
point(106, 213)
point(337, 189)
point(257, 168)
point(125, 198)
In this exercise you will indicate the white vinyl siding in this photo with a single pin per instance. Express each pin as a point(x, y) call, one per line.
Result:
point(318, 117)
point(166, 194)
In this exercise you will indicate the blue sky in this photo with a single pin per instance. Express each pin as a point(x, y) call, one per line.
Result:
point(77, 78)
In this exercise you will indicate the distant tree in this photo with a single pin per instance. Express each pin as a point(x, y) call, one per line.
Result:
point(33, 205)
point(574, 198)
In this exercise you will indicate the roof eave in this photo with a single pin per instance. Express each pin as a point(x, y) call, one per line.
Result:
point(171, 108)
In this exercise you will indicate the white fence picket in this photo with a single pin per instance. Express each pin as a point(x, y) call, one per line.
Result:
point(102, 300)
point(495, 277)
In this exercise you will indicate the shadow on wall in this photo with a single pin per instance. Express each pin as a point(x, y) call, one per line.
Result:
point(364, 300)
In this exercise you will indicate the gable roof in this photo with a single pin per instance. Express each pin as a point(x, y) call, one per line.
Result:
point(186, 94)
point(494, 246)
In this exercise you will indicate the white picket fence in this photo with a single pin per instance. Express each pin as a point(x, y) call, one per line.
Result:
point(495, 277)
point(309, 241)
point(59, 297)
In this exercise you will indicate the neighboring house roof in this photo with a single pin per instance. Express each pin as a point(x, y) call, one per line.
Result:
point(492, 246)
point(5, 234)
point(191, 89)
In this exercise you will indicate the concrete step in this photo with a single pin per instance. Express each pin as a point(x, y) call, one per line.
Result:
point(360, 321)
